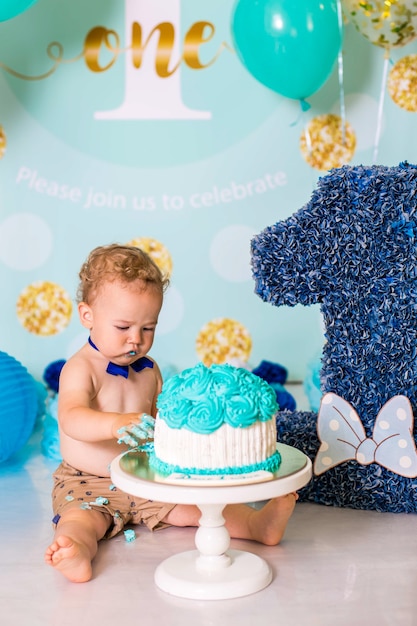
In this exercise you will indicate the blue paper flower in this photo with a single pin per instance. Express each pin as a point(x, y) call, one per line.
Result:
point(52, 373)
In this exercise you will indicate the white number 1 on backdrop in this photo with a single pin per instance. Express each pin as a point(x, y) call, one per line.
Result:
point(146, 94)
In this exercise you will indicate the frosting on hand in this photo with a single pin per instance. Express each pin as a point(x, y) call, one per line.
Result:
point(134, 435)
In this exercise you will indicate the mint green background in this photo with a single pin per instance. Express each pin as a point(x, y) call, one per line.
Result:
point(50, 128)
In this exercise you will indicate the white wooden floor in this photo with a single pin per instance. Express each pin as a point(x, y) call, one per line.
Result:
point(335, 567)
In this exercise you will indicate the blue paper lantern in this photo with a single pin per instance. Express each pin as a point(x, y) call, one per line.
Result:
point(18, 405)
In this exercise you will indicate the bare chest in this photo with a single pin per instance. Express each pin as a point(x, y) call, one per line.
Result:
point(125, 395)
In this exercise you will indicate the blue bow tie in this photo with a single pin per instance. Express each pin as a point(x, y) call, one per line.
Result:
point(123, 370)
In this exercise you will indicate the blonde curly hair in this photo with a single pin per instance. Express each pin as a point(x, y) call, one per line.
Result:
point(118, 262)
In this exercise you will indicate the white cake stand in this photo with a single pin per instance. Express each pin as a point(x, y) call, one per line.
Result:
point(213, 571)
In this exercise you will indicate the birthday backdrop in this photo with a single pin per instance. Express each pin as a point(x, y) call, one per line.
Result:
point(180, 127)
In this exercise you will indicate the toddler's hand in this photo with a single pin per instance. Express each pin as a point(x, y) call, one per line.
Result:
point(134, 435)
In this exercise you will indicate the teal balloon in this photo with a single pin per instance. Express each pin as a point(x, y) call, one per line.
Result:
point(289, 46)
point(11, 8)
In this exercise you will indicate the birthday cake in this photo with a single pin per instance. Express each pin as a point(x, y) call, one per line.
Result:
point(215, 421)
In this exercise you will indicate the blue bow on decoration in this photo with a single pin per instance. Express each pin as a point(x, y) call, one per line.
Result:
point(123, 370)
point(343, 436)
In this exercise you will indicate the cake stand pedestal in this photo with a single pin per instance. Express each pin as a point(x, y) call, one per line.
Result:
point(213, 571)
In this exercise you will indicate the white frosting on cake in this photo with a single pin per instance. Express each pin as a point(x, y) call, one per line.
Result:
point(227, 447)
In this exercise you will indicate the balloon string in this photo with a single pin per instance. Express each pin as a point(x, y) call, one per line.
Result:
point(304, 106)
point(307, 136)
point(342, 98)
point(302, 116)
point(381, 107)
point(340, 74)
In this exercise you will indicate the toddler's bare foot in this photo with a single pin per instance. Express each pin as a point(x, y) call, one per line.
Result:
point(272, 519)
point(70, 558)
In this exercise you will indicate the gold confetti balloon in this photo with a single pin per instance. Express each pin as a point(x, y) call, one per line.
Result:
point(222, 340)
point(157, 251)
point(44, 308)
point(385, 23)
point(324, 145)
point(402, 83)
point(3, 142)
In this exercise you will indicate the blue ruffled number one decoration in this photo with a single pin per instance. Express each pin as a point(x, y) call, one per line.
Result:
point(11, 8)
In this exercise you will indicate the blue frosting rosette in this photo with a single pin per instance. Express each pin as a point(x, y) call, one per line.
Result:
point(204, 398)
